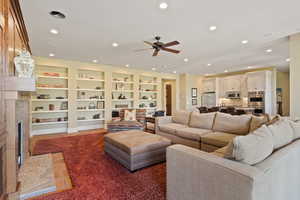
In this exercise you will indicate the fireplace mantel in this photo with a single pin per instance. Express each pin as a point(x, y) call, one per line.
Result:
point(16, 94)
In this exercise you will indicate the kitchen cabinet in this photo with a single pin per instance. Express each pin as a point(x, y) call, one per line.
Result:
point(256, 81)
point(229, 84)
point(209, 85)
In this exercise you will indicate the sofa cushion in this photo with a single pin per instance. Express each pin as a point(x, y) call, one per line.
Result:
point(282, 133)
point(181, 117)
point(170, 127)
point(220, 152)
point(296, 128)
point(253, 148)
point(257, 122)
point(227, 123)
point(204, 120)
point(191, 133)
point(218, 139)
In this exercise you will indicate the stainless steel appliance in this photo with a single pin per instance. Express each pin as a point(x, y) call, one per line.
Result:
point(208, 99)
point(256, 100)
point(233, 95)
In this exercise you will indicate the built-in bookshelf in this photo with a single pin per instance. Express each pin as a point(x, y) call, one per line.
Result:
point(148, 93)
point(122, 90)
point(49, 105)
point(90, 100)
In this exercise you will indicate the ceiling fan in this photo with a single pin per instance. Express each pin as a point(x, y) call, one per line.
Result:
point(158, 45)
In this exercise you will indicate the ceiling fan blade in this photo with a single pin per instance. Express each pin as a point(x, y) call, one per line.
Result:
point(170, 50)
point(155, 52)
point(149, 43)
point(138, 50)
point(171, 44)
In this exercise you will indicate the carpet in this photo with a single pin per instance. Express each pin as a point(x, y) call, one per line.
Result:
point(96, 176)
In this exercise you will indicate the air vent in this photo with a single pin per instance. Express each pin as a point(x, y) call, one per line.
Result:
point(57, 14)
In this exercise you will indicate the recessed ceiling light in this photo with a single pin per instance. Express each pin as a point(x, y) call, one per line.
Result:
point(208, 64)
point(186, 60)
point(212, 28)
point(226, 71)
point(249, 67)
point(207, 74)
point(127, 65)
point(163, 5)
point(269, 50)
point(174, 72)
point(115, 44)
point(153, 68)
point(54, 31)
point(245, 42)
point(51, 54)
point(288, 60)
point(57, 14)
point(95, 61)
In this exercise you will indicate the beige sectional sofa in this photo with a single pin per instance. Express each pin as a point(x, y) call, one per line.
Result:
point(208, 132)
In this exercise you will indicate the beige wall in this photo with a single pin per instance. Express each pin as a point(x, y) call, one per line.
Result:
point(283, 81)
point(295, 76)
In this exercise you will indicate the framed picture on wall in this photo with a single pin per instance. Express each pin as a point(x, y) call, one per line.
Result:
point(194, 92)
point(194, 102)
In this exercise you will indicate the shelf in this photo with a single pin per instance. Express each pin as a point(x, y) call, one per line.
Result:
point(49, 100)
point(122, 100)
point(148, 100)
point(122, 108)
point(126, 82)
point(147, 108)
point(91, 90)
point(148, 83)
point(49, 123)
point(53, 77)
point(87, 79)
point(148, 91)
point(90, 100)
point(90, 120)
point(49, 111)
point(91, 110)
point(46, 88)
point(122, 91)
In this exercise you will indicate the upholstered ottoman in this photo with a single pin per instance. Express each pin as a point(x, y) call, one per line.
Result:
point(136, 149)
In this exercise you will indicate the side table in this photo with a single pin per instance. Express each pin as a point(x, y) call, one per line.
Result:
point(150, 125)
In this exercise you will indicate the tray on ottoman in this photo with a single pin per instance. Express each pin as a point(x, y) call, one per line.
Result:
point(136, 149)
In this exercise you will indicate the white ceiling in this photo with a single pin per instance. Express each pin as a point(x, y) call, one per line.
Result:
point(92, 26)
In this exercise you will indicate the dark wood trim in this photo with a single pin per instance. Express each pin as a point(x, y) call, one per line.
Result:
point(20, 21)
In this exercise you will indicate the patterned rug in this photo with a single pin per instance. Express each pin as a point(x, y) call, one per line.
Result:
point(96, 176)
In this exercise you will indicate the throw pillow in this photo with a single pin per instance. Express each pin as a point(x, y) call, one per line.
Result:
point(296, 128)
point(203, 120)
point(282, 133)
point(181, 117)
point(257, 122)
point(130, 115)
point(253, 148)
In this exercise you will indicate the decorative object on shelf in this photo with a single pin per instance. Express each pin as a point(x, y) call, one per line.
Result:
point(121, 106)
point(59, 97)
point(52, 74)
point(64, 106)
point(144, 97)
point(152, 105)
point(24, 64)
point(95, 97)
point(98, 88)
point(81, 95)
point(126, 79)
point(194, 92)
point(81, 118)
point(43, 96)
point(96, 116)
point(51, 107)
point(142, 105)
point(81, 108)
point(121, 96)
point(92, 105)
point(100, 104)
point(39, 108)
point(194, 102)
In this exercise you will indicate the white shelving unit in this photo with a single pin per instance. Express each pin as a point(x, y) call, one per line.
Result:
point(148, 93)
point(52, 83)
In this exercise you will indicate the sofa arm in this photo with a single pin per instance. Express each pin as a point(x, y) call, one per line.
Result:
point(194, 174)
point(162, 120)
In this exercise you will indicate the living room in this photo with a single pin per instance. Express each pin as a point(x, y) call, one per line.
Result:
point(131, 100)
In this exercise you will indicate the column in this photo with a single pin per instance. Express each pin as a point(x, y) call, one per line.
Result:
point(295, 75)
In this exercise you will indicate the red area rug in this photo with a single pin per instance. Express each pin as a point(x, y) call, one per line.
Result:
point(96, 176)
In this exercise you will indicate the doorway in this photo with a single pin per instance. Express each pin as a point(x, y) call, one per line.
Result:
point(168, 99)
